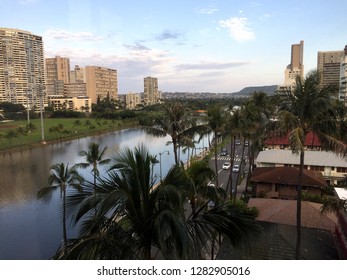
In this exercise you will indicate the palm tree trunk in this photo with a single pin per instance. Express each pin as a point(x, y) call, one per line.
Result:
point(64, 223)
point(215, 159)
point(298, 207)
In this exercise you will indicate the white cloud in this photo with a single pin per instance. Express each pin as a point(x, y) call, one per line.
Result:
point(207, 11)
point(238, 28)
point(61, 34)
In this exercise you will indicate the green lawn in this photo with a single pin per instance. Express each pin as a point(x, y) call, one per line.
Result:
point(65, 129)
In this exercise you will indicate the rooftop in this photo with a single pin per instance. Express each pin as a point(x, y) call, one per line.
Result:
point(315, 158)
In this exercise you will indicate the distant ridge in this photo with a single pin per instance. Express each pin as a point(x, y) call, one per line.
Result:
point(270, 90)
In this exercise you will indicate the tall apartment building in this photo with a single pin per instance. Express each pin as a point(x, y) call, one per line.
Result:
point(101, 82)
point(328, 63)
point(132, 100)
point(296, 66)
point(343, 77)
point(22, 74)
point(151, 93)
point(77, 75)
point(57, 74)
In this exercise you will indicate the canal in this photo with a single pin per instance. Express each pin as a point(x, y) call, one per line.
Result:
point(30, 228)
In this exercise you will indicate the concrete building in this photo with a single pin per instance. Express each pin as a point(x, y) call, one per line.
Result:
point(332, 166)
point(57, 74)
point(343, 77)
point(61, 102)
point(101, 82)
point(22, 74)
point(296, 66)
point(329, 65)
point(132, 100)
point(77, 75)
point(151, 93)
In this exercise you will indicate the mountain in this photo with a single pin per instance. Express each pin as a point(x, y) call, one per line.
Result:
point(270, 90)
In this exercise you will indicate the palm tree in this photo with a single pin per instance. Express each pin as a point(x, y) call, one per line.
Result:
point(309, 108)
point(137, 219)
point(215, 122)
point(176, 122)
point(94, 158)
point(62, 177)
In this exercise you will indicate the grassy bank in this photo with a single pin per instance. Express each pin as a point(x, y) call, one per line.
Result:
point(14, 135)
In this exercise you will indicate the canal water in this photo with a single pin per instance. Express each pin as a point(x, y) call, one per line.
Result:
point(30, 228)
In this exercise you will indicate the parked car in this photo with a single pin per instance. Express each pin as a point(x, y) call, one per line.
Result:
point(237, 142)
point(226, 165)
point(236, 168)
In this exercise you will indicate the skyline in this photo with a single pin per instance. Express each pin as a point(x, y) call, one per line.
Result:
point(195, 46)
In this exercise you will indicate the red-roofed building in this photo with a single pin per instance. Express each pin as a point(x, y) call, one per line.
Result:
point(281, 182)
point(282, 142)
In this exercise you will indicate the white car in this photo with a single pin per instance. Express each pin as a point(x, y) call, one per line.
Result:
point(236, 168)
point(226, 165)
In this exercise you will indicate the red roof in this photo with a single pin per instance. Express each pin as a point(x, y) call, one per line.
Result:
point(288, 175)
point(311, 140)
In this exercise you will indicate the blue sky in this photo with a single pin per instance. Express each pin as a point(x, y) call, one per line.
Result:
point(189, 45)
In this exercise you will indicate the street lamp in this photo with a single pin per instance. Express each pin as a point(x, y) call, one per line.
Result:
point(160, 162)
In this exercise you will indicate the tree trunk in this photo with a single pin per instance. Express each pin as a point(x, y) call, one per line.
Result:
point(298, 207)
point(64, 223)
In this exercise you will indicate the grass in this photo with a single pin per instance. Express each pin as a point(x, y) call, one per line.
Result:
point(55, 129)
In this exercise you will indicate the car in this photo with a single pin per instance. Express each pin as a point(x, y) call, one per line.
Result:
point(224, 152)
point(226, 165)
point(236, 168)
point(246, 143)
point(211, 185)
point(237, 142)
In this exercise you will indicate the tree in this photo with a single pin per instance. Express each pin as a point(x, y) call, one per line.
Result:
point(137, 219)
point(215, 122)
point(309, 108)
point(62, 177)
point(174, 121)
point(94, 157)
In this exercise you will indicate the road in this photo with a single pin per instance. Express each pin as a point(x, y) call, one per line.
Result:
point(224, 174)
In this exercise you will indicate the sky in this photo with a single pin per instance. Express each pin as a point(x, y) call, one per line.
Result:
point(189, 45)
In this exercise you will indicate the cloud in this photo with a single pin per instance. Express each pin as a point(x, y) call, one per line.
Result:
point(168, 35)
point(206, 11)
point(238, 28)
point(137, 47)
point(61, 34)
point(210, 65)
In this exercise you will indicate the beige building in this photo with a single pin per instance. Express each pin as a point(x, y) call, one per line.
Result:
point(151, 93)
point(22, 74)
point(296, 66)
point(101, 82)
point(77, 75)
point(57, 74)
point(132, 100)
point(329, 64)
point(80, 103)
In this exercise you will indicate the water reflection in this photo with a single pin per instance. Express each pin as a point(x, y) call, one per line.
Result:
point(31, 228)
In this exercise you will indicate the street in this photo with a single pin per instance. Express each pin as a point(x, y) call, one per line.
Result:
point(224, 174)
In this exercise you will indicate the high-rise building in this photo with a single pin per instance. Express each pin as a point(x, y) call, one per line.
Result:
point(132, 100)
point(343, 77)
point(328, 64)
point(22, 74)
point(101, 82)
point(77, 75)
point(296, 66)
point(151, 93)
point(57, 68)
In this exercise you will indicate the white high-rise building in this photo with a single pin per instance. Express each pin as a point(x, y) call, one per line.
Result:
point(22, 74)
point(343, 77)
point(151, 93)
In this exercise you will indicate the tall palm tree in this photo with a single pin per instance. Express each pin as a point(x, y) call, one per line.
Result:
point(215, 122)
point(175, 121)
point(94, 157)
point(309, 108)
point(137, 219)
point(61, 177)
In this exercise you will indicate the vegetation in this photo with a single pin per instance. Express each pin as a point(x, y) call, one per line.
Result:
point(310, 108)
